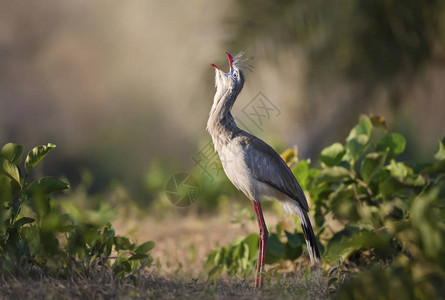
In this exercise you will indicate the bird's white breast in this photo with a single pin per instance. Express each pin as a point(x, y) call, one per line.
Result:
point(232, 160)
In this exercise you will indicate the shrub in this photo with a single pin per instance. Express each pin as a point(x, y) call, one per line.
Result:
point(36, 232)
point(389, 215)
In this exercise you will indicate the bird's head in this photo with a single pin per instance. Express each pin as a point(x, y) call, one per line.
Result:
point(234, 79)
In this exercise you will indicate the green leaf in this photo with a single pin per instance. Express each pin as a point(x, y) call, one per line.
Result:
point(295, 240)
point(395, 142)
point(122, 266)
point(438, 167)
point(11, 170)
point(46, 186)
point(138, 256)
point(344, 244)
point(22, 221)
point(12, 152)
point(301, 172)
point(358, 138)
point(145, 247)
point(238, 252)
point(440, 155)
point(122, 243)
point(371, 164)
point(398, 169)
point(36, 155)
point(252, 241)
point(362, 128)
point(428, 219)
point(333, 154)
point(8, 188)
point(275, 247)
point(343, 204)
point(332, 174)
point(390, 186)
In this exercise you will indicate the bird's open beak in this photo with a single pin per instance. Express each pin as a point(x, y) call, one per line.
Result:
point(230, 63)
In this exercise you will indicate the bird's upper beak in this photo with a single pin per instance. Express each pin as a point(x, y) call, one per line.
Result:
point(230, 58)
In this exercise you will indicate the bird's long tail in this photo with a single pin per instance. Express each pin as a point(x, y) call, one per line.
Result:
point(292, 207)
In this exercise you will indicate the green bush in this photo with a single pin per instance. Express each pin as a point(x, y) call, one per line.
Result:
point(55, 237)
point(370, 210)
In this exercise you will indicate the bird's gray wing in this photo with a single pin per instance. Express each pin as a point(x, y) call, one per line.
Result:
point(268, 167)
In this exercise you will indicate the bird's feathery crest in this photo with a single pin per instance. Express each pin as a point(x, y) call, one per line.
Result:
point(242, 63)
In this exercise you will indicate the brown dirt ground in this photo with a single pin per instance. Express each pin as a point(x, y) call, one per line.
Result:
point(186, 240)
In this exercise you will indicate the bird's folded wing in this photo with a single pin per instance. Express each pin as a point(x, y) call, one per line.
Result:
point(268, 167)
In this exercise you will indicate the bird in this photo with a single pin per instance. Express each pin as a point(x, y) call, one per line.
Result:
point(251, 164)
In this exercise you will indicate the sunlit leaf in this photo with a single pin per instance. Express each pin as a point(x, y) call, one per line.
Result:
point(398, 169)
point(358, 138)
point(440, 155)
point(288, 155)
point(371, 164)
point(362, 128)
point(238, 252)
point(252, 241)
point(301, 172)
point(10, 169)
point(36, 155)
point(333, 154)
point(12, 152)
point(332, 174)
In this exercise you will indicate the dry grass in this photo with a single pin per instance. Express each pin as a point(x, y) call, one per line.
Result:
point(103, 285)
point(182, 246)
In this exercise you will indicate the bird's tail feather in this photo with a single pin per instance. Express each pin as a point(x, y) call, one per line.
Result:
point(292, 207)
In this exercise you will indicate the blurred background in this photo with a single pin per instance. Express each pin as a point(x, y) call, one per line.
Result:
point(124, 88)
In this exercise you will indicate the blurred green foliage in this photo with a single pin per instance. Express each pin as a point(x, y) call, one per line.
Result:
point(369, 41)
point(370, 210)
point(36, 232)
point(211, 185)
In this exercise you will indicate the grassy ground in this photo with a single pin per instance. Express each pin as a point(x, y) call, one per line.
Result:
point(182, 246)
point(99, 284)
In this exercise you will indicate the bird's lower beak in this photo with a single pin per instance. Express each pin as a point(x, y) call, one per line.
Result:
point(215, 66)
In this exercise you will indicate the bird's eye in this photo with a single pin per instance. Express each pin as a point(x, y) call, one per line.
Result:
point(235, 75)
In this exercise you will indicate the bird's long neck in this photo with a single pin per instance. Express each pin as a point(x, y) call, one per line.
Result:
point(221, 124)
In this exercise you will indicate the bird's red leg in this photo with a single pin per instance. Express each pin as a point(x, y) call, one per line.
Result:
point(263, 242)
